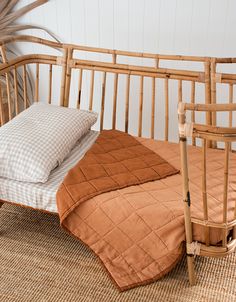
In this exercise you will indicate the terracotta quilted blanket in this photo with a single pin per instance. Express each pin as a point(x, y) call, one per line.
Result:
point(138, 231)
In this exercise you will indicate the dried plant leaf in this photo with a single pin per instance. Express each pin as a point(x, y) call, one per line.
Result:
point(9, 27)
point(8, 7)
point(12, 16)
point(3, 4)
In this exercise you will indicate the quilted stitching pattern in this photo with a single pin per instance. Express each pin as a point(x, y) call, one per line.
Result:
point(116, 160)
point(137, 231)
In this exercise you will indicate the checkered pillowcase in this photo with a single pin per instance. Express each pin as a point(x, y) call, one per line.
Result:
point(38, 139)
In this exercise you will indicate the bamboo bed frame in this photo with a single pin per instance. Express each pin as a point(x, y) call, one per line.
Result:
point(209, 133)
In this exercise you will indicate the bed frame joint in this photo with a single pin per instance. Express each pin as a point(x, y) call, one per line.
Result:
point(61, 61)
point(188, 199)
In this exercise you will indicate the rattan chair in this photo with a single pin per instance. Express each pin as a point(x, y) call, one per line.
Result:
point(207, 134)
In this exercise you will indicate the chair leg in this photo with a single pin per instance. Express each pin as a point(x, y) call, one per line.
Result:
point(191, 270)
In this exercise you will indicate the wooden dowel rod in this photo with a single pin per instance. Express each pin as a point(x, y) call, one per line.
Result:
point(180, 91)
point(127, 104)
point(213, 95)
point(186, 202)
point(210, 107)
point(103, 100)
point(9, 102)
point(16, 91)
point(213, 89)
point(144, 72)
point(225, 193)
point(80, 88)
point(166, 109)
point(50, 85)
point(193, 112)
point(37, 83)
point(91, 90)
point(154, 102)
point(68, 78)
point(208, 94)
point(153, 107)
point(24, 87)
point(231, 97)
point(204, 192)
point(115, 101)
point(140, 123)
point(63, 76)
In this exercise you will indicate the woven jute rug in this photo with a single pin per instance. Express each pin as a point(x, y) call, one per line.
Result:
point(39, 262)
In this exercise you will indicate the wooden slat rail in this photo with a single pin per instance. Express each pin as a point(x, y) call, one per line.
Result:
point(16, 95)
point(166, 109)
point(91, 90)
point(25, 86)
point(80, 88)
point(66, 59)
point(37, 83)
point(127, 103)
point(114, 59)
point(193, 112)
point(50, 85)
point(204, 191)
point(103, 100)
point(140, 122)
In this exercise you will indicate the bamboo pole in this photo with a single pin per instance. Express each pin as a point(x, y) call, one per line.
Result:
point(80, 88)
point(63, 76)
point(193, 112)
point(154, 101)
point(103, 100)
point(208, 94)
point(180, 91)
point(68, 78)
point(24, 87)
point(225, 194)
point(50, 85)
point(16, 91)
point(115, 94)
point(204, 192)
point(37, 83)
point(127, 104)
point(91, 90)
point(231, 97)
point(187, 201)
point(166, 109)
point(140, 122)
point(213, 94)
point(153, 107)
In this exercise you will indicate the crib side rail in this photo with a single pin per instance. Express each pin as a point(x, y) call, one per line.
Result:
point(122, 86)
point(227, 135)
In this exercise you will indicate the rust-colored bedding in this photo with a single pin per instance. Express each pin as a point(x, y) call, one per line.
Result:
point(138, 231)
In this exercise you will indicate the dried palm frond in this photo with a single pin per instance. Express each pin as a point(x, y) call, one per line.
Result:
point(9, 28)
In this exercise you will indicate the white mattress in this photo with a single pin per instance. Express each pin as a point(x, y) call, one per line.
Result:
point(42, 196)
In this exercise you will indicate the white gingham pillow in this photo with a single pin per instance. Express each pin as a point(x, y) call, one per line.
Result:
point(38, 139)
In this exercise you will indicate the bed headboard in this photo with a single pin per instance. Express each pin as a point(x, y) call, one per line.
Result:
point(127, 87)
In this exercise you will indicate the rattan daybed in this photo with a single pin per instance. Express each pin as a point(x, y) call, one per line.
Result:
point(149, 240)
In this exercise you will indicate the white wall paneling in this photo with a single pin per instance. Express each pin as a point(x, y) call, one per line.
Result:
point(187, 27)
